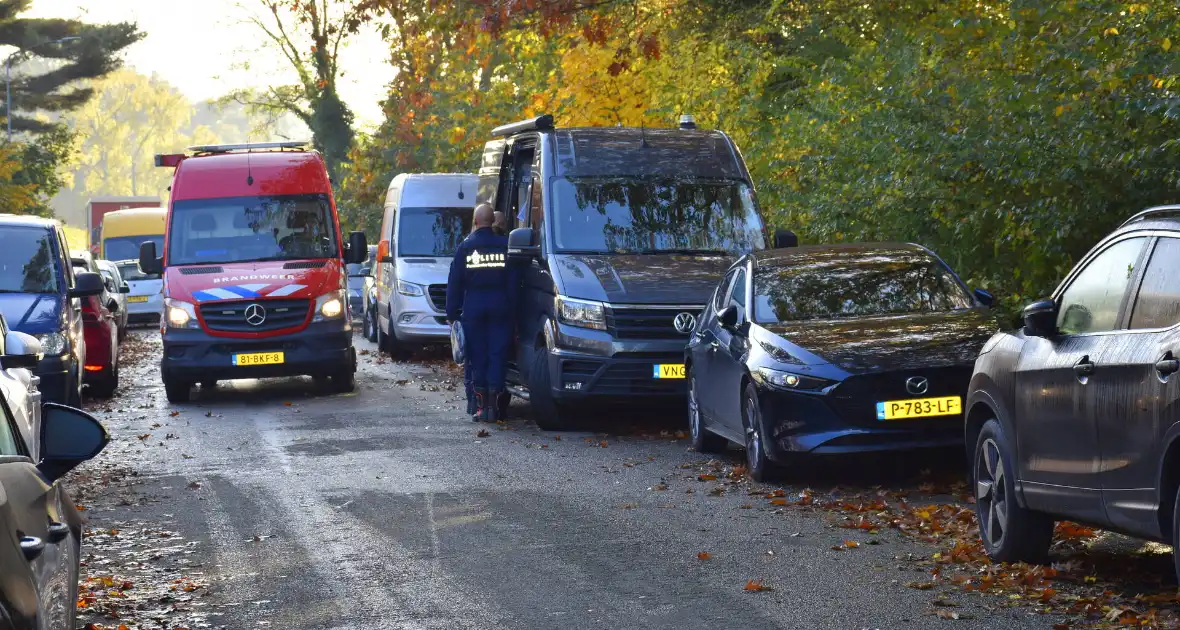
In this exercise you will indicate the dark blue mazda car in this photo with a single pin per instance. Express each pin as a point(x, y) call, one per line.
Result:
point(834, 349)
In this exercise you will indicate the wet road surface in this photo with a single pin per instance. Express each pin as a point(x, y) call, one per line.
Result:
point(385, 509)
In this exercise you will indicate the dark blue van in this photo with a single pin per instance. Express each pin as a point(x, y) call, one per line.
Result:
point(38, 291)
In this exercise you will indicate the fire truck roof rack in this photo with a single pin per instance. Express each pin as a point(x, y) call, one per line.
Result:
point(295, 145)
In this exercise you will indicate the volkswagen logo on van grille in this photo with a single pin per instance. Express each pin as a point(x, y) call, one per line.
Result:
point(917, 385)
point(684, 323)
point(255, 315)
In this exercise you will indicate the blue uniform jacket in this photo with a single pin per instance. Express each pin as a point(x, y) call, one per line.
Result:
point(481, 275)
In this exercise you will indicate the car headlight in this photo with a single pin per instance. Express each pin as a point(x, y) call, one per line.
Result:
point(180, 314)
point(409, 288)
point(582, 313)
point(53, 344)
point(329, 306)
point(789, 380)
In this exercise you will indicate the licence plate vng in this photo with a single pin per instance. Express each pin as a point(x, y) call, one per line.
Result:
point(667, 370)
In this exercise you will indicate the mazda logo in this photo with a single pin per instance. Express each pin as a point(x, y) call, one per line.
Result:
point(917, 385)
point(255, 315)
point(685, 322)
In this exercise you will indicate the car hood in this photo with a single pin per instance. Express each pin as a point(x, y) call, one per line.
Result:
point(423, 270)
point(32, 313)
point(890, 343)
point(641, 278)
point(254, 280)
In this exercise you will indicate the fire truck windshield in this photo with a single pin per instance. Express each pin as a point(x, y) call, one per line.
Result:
point(247, 229)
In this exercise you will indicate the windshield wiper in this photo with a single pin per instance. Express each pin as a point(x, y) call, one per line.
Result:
point(685, 250)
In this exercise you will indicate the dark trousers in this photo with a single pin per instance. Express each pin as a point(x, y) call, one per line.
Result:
point(468, 386)
point(488, 333)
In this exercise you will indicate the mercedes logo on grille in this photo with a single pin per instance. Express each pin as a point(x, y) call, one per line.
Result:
point(685, 322)
point(255, 315)
point(917, 385)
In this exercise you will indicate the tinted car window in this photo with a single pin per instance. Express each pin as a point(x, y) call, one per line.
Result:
point(857, 284)
point(1158, 303)
point(27, 261)
point(434, 232)
point(739, 288)
point(722, 293)
point(631, 215)
point(231, 229)
point(1091, 302)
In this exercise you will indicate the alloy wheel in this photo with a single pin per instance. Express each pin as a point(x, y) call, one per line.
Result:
point(991, 496)
point(753, 435)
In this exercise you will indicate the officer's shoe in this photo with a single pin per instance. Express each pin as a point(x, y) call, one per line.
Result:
point(472, 405)
point(493, 407)
point(481, 407)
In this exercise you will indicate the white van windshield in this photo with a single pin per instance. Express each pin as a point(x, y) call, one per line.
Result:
point(433, 232)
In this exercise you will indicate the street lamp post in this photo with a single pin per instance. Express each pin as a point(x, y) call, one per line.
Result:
point(8, 78)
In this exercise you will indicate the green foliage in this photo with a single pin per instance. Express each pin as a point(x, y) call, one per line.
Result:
point(42, 167)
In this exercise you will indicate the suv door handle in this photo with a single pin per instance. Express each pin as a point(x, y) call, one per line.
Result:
point(1085, 367)
point(1167, 367)
point(58, 532)
point(32, 547)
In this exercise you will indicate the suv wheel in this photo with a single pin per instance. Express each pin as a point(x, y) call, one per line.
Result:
point(547, 412)
point(344, 382)
point(758, 466)
point(371, 325)
point(703, 440)
point(1010, 533)
point(177, 392)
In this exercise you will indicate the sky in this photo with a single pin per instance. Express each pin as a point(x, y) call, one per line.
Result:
point(199, 45)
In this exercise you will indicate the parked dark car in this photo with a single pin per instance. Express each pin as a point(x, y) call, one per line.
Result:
point(101, 329)
point(41, 527)
point(1076, 416)
point(621, 233)
point(834, 349)
point(37, 291)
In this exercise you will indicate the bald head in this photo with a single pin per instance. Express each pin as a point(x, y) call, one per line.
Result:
point(484, 216)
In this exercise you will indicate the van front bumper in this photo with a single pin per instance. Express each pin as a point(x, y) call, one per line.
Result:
point(322, 349)
point(58, 378)
point(590, 364)
point(416, 320)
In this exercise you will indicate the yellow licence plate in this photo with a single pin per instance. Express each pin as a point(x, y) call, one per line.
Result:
point(258, 358)
point(667, 370)
point(920, 408)
point(137, 298)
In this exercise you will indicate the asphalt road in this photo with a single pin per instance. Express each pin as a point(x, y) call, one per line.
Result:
point(384, 509)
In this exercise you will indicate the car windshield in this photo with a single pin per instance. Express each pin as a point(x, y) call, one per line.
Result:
point(130, 271)
point(626, 215)
point(434, 232)
point(855, 284)
point(246, 229)
point(27, 262)
point(127, 247)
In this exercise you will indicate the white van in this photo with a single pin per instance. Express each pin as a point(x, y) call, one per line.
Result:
point(427, 216)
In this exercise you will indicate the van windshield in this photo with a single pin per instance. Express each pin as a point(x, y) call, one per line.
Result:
point(130, 272)
point(27, 263)
point(127, 247)
point(435, 232)
point(621, 215)
point(248, 229)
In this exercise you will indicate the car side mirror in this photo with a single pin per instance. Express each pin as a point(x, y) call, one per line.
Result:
point(785, 238)
point(68, 437)
point(87, 283)
point(520, 244)
point(113, 307)
point(1040, 319)
point(728, 317)
point(21, 351)
point(125, 288)
point(149, 262)
point(358, 248)
point(985, 298)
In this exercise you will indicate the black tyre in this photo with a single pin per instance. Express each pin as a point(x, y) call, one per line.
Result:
point(105, 388)
point(74, 396)
point(1175, 533)
point(344, 383)
point(1010, 533)
point(370, 330)
point(548, 414)
point(758, 466)
point(321, 381)
point(703, 440)
point(177, 392)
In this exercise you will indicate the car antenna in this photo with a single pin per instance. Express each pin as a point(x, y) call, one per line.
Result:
point(460, 188)
point(642, 136)
point(249, 173)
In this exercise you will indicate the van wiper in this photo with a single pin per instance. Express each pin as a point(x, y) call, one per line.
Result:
point(685, 250)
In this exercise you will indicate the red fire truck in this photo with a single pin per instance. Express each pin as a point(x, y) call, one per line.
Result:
point(253, 263)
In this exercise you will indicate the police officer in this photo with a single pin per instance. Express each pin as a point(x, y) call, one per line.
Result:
point(481, 291)
point(504, 400)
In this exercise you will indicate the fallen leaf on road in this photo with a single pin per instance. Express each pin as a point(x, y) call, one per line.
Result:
point(196, 485)
point(603, 444)
point(145, 436)
point(921, 586)
point(629, 506)
point(756, 586)
point(186, 456)
point(482, 433)
point(851, 544)
point(706, 477)
point(704, 555)
point(174, 414)
point(286, 404)
point(778, 501)
point(557, 438)
point(946, 614)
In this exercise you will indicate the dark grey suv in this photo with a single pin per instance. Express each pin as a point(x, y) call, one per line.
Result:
point(1077, 415)
point(623, 233)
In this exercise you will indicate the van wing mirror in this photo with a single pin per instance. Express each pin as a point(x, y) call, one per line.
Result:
point(149, 261)
point(785, 238)
point(383, 253)
point(520, 244)
point(87, 283)
point(358, 248)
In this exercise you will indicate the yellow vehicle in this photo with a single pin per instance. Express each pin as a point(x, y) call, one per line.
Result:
point(124, 230)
